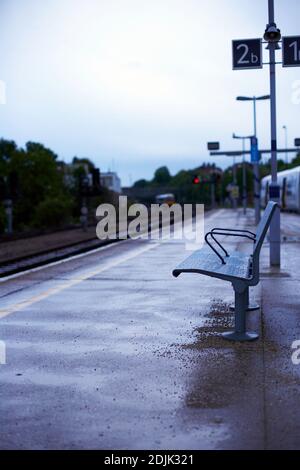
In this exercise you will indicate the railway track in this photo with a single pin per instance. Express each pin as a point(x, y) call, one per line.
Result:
point(24, 263)
point(44, 257)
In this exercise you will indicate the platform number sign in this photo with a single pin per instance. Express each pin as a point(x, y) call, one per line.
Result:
point(246, 54)
point(213, 145)
point(291, 51)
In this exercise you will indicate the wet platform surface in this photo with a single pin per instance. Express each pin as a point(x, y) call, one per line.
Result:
point(109, 351)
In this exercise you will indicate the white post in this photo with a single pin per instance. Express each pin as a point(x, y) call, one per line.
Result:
point(244, 180)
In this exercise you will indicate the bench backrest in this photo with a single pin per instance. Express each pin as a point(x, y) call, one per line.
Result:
point(261, 232)
point(264, 225)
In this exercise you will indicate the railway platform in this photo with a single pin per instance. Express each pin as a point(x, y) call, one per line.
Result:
point(106, 350)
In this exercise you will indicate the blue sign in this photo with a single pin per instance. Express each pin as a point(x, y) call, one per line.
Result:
point(255, 156)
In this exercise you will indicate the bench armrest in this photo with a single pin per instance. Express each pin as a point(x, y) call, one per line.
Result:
point(230, 232)
point(212, 247)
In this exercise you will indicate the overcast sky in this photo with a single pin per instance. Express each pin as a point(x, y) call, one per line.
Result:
point(135, 84)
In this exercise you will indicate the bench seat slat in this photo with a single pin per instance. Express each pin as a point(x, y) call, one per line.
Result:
point(204, 261)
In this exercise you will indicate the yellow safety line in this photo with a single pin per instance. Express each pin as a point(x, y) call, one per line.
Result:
point(54, 290)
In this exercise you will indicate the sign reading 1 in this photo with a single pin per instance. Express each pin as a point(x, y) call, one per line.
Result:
point(291, 51)
point(247, 54)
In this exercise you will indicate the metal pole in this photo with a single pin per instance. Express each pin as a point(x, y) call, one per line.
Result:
point(212, 191)
point(244, 181)
point(256, 173)
point(234, 182)
point(9, 215)
point(84, 215)
point(254, 116)
point(274, 187)
point(234, 171)
point(286, 145)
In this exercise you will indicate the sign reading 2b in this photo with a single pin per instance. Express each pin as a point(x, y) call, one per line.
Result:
point(246, 54)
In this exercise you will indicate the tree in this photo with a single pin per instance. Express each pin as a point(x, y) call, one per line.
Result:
point(37, 172)
point(141, 183)
point(295, 161)
point(162, 176)
point(52, 212)
point(83, 162)
point(34, 170)
point(7, 150)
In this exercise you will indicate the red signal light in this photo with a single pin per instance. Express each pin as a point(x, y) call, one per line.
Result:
point(196, 180)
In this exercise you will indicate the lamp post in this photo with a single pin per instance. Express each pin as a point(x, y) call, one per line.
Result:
point(272, 36)
point(244, 196)
point(255, 164)
point(234, 183)
point(286, 144)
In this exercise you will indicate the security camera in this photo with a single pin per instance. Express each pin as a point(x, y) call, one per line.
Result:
point(272, 33)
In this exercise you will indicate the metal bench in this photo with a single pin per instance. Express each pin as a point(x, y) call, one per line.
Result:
point(240, 269)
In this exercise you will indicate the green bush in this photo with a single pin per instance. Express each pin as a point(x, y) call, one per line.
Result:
point(53, 212)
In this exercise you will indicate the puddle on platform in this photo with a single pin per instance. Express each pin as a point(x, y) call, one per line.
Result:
point(207, 338)
point(215, 365)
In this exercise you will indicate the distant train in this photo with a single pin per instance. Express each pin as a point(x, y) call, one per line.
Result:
point(289, 182)
point(165, 199)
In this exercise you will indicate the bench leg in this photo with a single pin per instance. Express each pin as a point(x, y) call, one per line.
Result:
point(249, 305)
point(241, 293)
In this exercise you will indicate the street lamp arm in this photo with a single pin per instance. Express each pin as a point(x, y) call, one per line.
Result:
point(234, 136)
point(244, 98)
point(264, 97)
point(253, 98)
